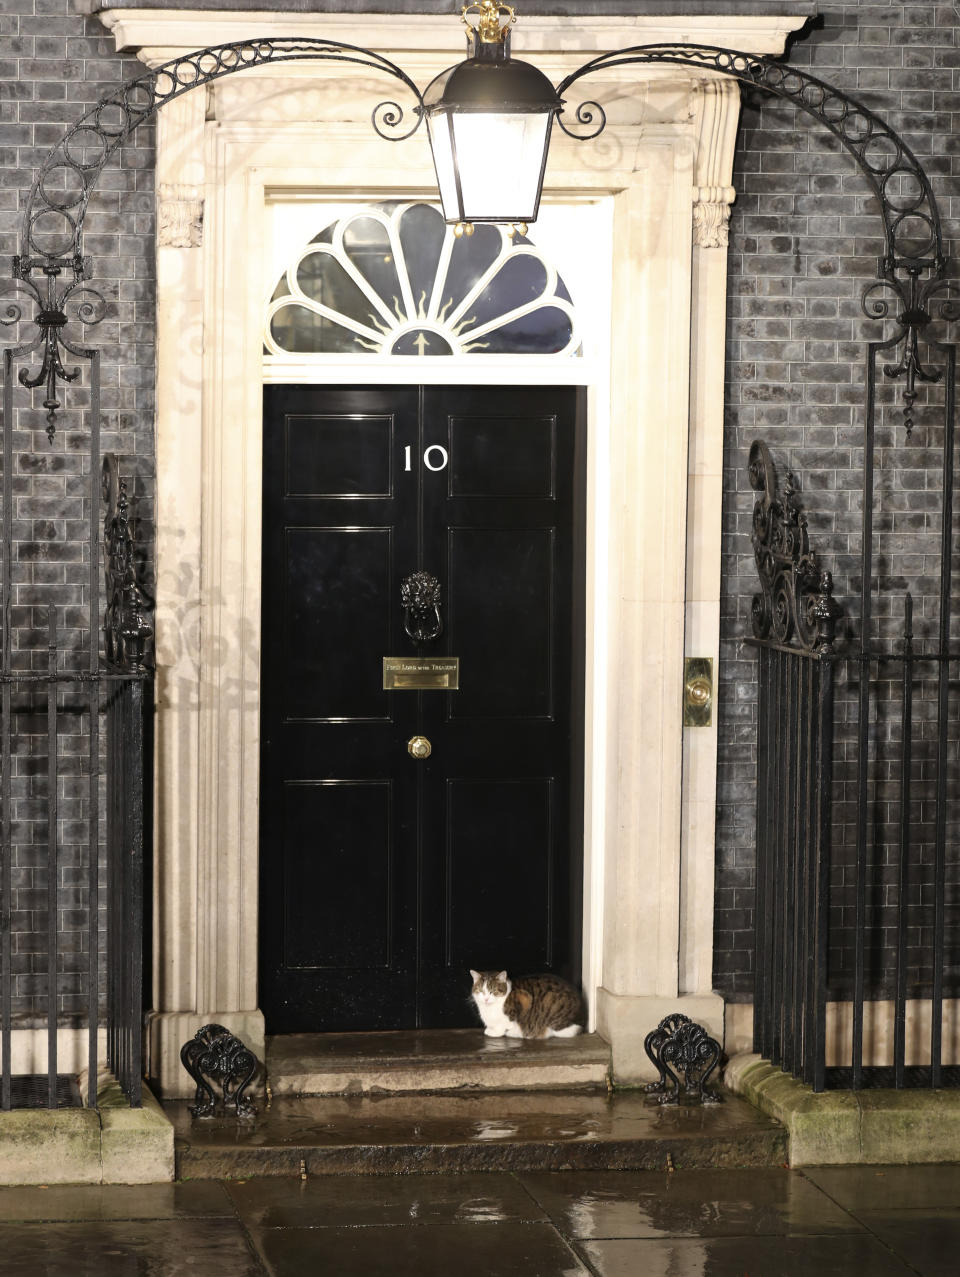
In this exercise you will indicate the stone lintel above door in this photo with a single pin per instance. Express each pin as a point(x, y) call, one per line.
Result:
point(162, 31)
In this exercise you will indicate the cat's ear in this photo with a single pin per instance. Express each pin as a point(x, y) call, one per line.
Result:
point(502, 975)
point(475, 974)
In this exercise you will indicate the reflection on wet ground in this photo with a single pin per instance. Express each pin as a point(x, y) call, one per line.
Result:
point(770, 1222)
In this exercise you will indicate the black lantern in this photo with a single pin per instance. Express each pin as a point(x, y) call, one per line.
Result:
point(489, 120)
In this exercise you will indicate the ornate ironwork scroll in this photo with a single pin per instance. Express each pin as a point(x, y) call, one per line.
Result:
point(796, 595)
point(222, 1068)
point(126, 632)
point(910, 302)
point(57, 304)
point(678, 1045)
point(420, 598)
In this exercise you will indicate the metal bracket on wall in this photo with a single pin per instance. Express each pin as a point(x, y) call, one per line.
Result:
point(698, 691)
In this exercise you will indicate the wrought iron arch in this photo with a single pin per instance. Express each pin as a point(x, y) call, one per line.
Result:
point(78, 159)
point(913, 269)
point(106, 126)
point(880, 153)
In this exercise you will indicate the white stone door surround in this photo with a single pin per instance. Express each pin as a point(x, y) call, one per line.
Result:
point(665, 163)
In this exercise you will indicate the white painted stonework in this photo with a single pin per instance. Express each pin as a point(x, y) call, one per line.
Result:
point(663, 169)
point(179, 215)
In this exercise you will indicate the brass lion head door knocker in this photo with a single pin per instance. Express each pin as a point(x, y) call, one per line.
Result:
point(420, 599)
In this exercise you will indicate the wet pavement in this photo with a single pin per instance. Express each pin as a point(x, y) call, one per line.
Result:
point(772, 1222)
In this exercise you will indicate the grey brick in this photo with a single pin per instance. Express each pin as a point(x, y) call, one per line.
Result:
point(58, 57)
point(900, 60)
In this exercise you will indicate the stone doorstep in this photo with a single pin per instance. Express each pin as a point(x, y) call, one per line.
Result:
point(112, 1144)
point(470, 1132)
point(461, 1060)
point(838, 1128)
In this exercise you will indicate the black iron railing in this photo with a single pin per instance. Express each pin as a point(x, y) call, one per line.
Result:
point(64, 733)
point(794, 767)
point(853, 783)
point(125, 881)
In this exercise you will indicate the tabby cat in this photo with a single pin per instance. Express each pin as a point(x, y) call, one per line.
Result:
point(534, 1006)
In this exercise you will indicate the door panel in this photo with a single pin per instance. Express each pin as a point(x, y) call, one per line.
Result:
point(339, 456)
point(337, 832)
point(336, 602)
point(501, 621)
point(487, 461)
point(499, 871)
point(384, 878)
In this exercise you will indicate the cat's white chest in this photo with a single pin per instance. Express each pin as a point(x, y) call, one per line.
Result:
point(495, 1023)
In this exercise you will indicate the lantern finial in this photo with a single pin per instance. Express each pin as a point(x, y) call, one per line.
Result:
point(489, 27)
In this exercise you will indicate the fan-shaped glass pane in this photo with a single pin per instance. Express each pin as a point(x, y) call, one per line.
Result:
point(422, 236)
point(471, 258)
point(302, 332)
point(518, 283)
point(542, 332)
point(395, 280)
point(322, 278)
point(366, 242)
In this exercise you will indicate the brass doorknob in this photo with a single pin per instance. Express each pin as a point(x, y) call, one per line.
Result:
point(419, 747)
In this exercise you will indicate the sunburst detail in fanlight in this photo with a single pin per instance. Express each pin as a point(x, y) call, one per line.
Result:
point(393, 279)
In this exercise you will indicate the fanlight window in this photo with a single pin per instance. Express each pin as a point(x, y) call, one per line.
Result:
point(393, 279)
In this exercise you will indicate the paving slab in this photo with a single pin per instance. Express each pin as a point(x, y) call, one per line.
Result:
point(857, 1188)
point(122, 1248)
point(431, 1060)
point(359, 1201)
point(744, 1257)
point(928, 1240)
point(508, 1249)
point(500, 1131)
point(607, 1204)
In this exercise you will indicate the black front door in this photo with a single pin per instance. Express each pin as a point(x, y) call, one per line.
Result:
point(385, 877)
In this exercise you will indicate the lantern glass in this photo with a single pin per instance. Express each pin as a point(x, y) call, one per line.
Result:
point(441, 147)
point(499, 157)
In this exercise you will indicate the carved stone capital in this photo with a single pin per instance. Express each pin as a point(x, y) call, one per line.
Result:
point(179, 215)
point(717, 105)
point(711, 215)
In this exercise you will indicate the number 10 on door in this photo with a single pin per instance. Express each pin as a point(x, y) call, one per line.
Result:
point(434, 458)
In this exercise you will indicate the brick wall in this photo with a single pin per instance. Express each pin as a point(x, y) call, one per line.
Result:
point(54, 64)
point(804, 240)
